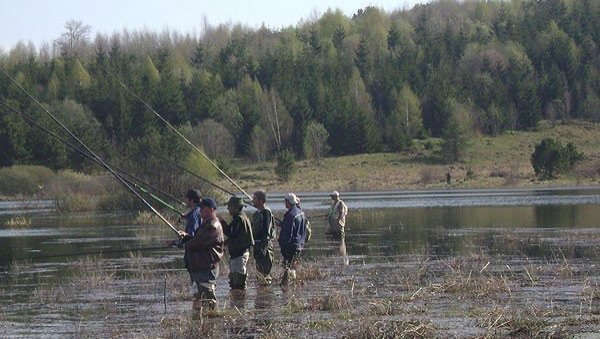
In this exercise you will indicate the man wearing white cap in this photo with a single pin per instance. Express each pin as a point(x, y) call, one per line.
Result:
point(336, 218)
point(294, 229)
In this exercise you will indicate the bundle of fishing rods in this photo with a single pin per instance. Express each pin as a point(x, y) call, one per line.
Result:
point(135, 185)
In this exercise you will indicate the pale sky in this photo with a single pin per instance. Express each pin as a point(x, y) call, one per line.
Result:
point(42, 21)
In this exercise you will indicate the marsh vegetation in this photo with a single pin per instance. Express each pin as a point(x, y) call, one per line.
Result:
point(485, 272)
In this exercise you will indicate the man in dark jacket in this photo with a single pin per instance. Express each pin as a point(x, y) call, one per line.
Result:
point(239, 241)
point(263, 229)
point(204, 252)
point(292, 236)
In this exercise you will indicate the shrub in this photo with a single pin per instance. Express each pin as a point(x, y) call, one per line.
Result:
point(550, 157)
point(24, 180)
point(315, 141)
point(285, 165)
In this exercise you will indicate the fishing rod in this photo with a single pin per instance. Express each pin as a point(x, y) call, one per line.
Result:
point(121, 180)
point(32, 121)
point(184, 138)
point(135, 249)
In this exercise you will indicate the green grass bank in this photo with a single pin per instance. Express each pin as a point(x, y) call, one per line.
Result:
point(494, 162)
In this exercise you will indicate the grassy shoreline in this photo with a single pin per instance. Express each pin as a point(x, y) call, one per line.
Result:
point(494, 162)
point(489, 162)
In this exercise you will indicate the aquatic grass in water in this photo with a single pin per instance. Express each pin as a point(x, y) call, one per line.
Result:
point(309, 270)
point(141, 270)
point(18, 222)
point(332, 302)
point(178, 285)
point(93, 272)
point(367, 328)
point(74, 202)
point(20, 266)
point(48, 295)
point(475, 292)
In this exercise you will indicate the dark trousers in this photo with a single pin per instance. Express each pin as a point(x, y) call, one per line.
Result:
point(263, 256)
point(290, 256)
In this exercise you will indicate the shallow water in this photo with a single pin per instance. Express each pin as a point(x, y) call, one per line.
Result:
point(387, 231)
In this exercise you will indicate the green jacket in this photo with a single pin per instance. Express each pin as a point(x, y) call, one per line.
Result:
point(263, 226)
point(239, 235)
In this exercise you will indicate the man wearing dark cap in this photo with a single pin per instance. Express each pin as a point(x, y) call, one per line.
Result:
point(239, 241)
point(263, 229)
point(336, 217)
point(204, 252)
point(294, 230)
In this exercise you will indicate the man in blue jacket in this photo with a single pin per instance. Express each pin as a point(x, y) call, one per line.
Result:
point(292, 236)
point(192, 221)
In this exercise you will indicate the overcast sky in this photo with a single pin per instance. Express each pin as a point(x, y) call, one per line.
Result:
point(42, 21)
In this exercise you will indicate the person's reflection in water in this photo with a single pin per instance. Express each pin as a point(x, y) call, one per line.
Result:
point(343, 253)
point(265, 297)
point(339, 248)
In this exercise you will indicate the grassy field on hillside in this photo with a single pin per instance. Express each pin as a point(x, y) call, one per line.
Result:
point(500, 161)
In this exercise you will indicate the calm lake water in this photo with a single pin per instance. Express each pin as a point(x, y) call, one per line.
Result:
point(380, 224)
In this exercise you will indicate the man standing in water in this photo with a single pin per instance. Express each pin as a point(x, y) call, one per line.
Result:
point(294, 229)
point(204, 252)
point(336, 218)
point(264, 231)
point(192, 220)
point(239, 241)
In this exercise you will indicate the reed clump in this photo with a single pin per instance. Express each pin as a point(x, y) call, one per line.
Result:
point(93, 272)
point(20, 266)
point(74, 202)
point(410, 329)
point(379, 307)
point(473, 284)
point(18, 221)
point(309, 270)
point(332, 302)
point(294, 305)
point(50, 296)
point(178, 285)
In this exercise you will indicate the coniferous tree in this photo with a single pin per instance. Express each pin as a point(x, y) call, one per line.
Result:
point(13, 139)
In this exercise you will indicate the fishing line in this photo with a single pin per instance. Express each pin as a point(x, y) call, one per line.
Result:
point(184, 138)
point(90, 151)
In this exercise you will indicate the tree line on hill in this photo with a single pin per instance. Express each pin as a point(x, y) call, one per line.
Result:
point(333, 85)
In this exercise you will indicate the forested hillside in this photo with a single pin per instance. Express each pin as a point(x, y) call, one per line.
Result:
point(366, 83)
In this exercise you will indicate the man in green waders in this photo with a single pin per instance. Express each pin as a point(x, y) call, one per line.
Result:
point(263, 229)
point(239, 240)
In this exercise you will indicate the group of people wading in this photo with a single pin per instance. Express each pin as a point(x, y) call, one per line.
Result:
point(206, 235)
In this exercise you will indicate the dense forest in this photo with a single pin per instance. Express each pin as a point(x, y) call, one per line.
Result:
point(333, 84)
